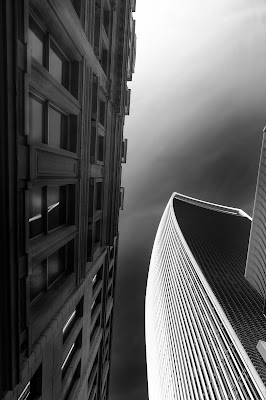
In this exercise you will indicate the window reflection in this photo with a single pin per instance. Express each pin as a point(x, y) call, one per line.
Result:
point(35, 212)
point(56, 198)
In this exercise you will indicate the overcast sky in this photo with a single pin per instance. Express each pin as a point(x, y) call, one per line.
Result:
point(198, 107)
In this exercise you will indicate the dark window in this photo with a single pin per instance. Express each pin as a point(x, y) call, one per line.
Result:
point(53, 203)
point(95, 328)
point(97, 278)
point(100, 152)
point(73, 383)
point(99, 188)
point(106, 20)
point(104, 60)
point(36, 119)
point(33, 389)
point(72, 319)
point(45, 273)
point(102, 113)
point(56, 265)
point(98, 229)
point(38, 280)
point(69, 357)
point(56, 202)
point(96, 302)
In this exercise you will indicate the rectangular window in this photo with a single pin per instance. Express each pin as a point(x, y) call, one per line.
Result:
point(58, 128)
point(99, 195)
point(69, 357)
point(100, 149)
point(102, 113)
point(98, 231)
point(36, 42)
point(96, 302)
point(56, 265)
point(73, 383)
point(36, 119)
point(59, 66)
point(62, 128)
point(33, 389)
point(36, 220)
point(106, 20)
point(45, 273)
point(97, 278)
point(55, 65)
point(95, 328)
point(55, 204)
point(72, 319)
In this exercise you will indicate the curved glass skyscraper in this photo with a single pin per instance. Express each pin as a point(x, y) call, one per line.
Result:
point(203, 318)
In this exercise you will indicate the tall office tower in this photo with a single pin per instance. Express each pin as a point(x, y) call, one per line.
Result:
point(203, 318)
point(256, 260)
point(64, 71)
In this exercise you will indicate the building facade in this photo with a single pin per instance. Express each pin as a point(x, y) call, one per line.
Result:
point(64, 96)
point(203, 318)
point(255, 267)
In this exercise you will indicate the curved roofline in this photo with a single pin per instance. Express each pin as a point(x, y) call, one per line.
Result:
point(211, 206)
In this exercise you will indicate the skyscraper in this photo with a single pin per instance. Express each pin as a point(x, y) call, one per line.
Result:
point(63, 100)
point(204, 320)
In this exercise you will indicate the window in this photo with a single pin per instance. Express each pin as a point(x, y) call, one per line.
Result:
point(97, 278)
point(96, 302)
point(70, 354)
point(36, 42)
point(92, 380)
point(73, 383)
point(59, 66)
point(102, 113)
point(99, 195)
point(49, 55)
point(58, 128)
point(33, 389)
point(36, 119)
point(50, 204)
point(47, 272)
point(95, 328)
point(52, 126)
point(106, 20)
point(72, 319)
point(100, 149)
point(36, 221)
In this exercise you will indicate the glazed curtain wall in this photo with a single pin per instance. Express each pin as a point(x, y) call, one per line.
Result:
point(192, 350)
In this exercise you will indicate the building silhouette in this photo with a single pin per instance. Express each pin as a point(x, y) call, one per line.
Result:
point(205, 329)
point(64, 71)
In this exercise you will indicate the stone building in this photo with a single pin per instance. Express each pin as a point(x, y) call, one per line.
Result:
point(64, 96)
